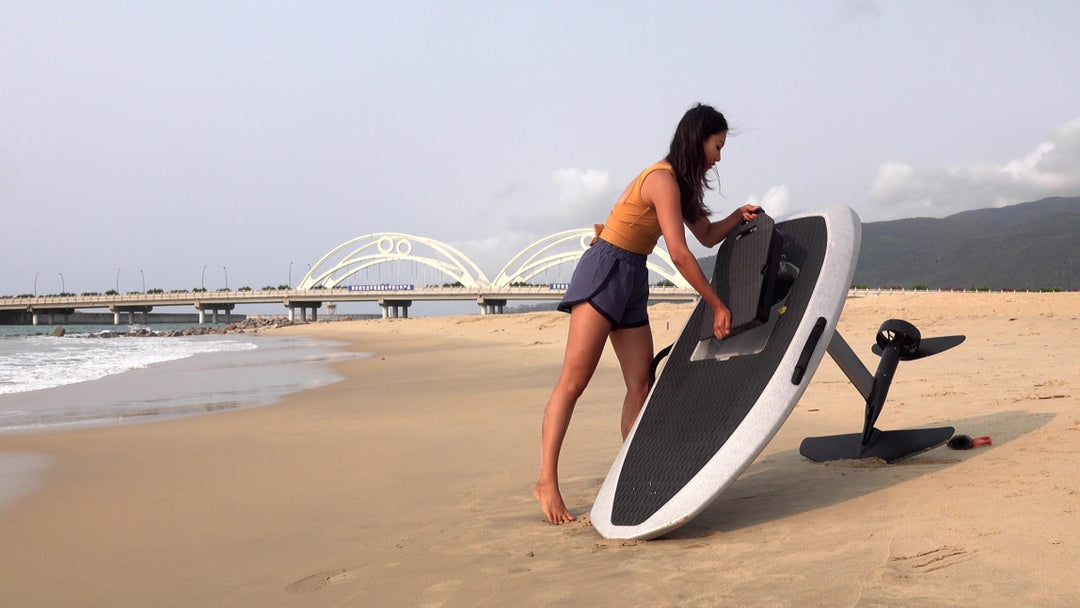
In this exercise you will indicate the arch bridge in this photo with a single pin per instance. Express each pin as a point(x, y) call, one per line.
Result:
point(350, 265)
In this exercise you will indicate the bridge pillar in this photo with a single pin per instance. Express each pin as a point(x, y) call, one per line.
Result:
point(392, 309)
point(303, 306)
point(214, 309)
point(491, 306)
point(130, 310)
point(50, 315)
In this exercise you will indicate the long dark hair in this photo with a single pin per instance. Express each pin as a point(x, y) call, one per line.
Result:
point(687, 157)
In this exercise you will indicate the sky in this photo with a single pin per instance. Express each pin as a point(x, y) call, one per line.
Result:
point(175, 145)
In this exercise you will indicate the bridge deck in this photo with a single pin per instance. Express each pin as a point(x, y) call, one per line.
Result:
point(301, 297)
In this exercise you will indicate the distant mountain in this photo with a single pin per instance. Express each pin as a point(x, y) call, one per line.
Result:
point(1027, 246)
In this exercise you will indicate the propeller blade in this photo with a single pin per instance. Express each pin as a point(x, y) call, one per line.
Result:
point(929, 346)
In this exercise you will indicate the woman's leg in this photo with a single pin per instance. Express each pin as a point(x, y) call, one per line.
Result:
point(634, 348)
point(584, 345)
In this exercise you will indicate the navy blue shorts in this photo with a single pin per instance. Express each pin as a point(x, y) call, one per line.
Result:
point(614, 281)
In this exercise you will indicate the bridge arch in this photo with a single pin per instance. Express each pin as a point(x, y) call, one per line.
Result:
point(370, 250)
point(567, 246)
point(547, 253)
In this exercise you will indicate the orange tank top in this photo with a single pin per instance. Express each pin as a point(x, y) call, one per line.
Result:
point(632, 224)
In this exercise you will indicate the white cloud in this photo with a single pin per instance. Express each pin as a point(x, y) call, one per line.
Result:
point(518, 214)
point(776, 201)
point(579, 198)
point(580, 193)
point(892, 178)
point(1051, 169)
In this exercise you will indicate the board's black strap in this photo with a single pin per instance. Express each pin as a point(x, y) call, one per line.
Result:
point(656, 363)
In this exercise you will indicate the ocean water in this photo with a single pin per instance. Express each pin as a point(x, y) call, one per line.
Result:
point(49, 383)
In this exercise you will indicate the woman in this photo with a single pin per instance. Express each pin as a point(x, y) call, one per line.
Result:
point(609, 292)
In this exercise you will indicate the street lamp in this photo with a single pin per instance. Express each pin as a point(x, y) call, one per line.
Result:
point(290, 274)
point(63, 289)
point(143, 280)
point(226, 277)
point(35, 283)
point(118, 280)
point(202, 283)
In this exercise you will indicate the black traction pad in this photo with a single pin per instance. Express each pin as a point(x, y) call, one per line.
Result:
point(744, 277)
point(696, 405)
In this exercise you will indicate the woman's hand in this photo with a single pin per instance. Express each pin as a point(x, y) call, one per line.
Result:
point(721, 321)
point(748, 212)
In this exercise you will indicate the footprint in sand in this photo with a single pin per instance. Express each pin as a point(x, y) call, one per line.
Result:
point(930, 560)
point(319, 580)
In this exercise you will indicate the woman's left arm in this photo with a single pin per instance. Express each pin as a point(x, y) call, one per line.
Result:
point(710, 234)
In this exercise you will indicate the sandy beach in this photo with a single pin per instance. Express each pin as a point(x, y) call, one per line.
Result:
point(409, 483)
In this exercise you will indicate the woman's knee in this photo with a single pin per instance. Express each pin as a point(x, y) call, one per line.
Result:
point(571, 386)
point(638, 392)
point(637, 381)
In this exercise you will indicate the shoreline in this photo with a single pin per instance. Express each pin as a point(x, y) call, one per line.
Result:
point(192, 384)
point(409, 482)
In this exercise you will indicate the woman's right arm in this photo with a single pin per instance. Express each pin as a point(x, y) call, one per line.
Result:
point(661, 190)
point(710, 233)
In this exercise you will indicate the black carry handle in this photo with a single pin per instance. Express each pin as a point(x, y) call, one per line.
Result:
point(808, 351)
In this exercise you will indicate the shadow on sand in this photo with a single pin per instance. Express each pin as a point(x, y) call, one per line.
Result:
point(786, 484)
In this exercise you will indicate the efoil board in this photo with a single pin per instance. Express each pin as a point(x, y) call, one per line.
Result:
point(716, 404)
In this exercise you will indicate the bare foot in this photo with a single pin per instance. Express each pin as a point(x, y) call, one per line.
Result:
point(552, 503)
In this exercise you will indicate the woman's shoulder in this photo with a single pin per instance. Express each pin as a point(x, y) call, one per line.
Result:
point(659, 168)
point(657, 179)
point(661, 164)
